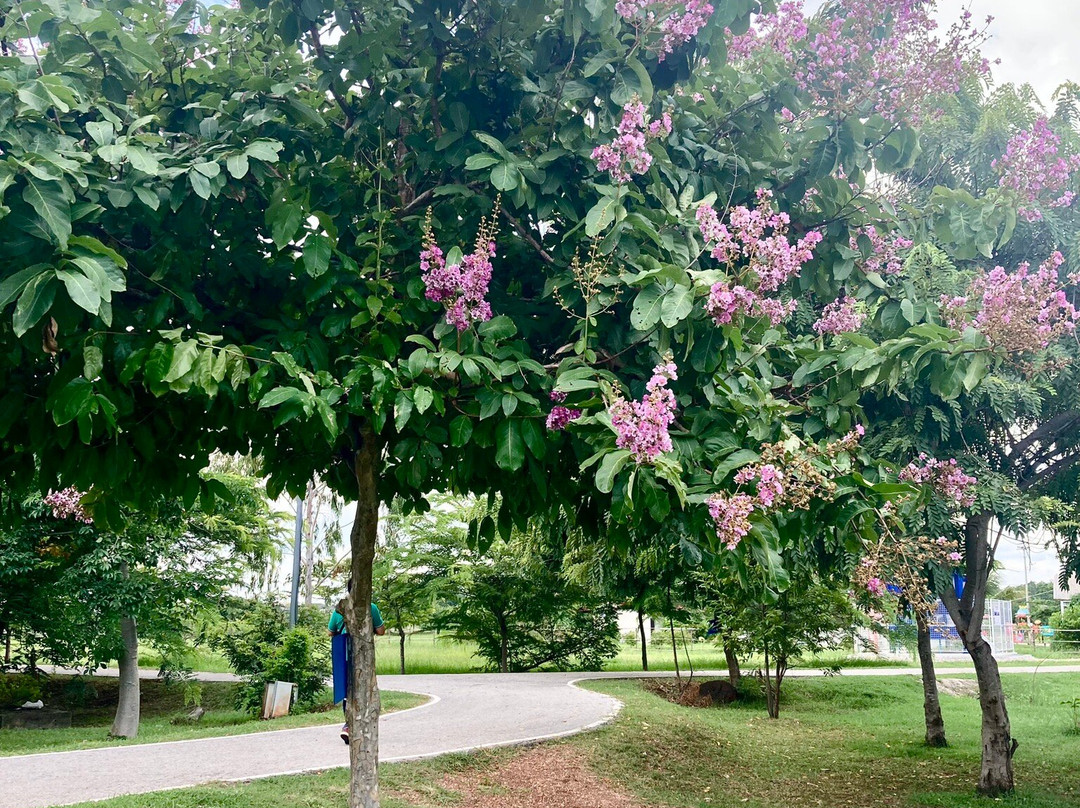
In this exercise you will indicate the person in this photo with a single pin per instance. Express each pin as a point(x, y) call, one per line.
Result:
point(337, 626)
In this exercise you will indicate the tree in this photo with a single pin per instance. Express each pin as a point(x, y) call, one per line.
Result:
point(77, 593)
point(253, 273)
point(523, 613)
point(805, 618)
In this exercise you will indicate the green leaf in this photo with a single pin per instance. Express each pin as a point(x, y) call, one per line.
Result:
point(183, 359)
point(47, 199)
point(422, 398)
point(510, 447)
point(976, 371)
point(497, 328)
point(200, 184)
point(93, 362)
point(461, 430)
point(599, 217)
point(676, 305)
point(647, 308)
point(73, 399)
point(403, 409)
point(475, 162)
point(505, 177)
point(284, 219)
point(265, 150)
point(34, 302)
point(237, 165)
point(81, 290)
point(609, 468)
point(317, 249)
point(14, 284)
point(278, 396)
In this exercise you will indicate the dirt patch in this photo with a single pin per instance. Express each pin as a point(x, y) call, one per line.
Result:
point(687, 694)
point(964, 688)
point(547, 776)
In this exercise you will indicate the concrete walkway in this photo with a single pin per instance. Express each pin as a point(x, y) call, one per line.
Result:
point(466, 712)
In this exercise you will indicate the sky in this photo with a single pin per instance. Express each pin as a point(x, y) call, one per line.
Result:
point(1035, 39)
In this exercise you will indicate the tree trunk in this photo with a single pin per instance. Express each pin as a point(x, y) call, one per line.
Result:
point(772, 703)
point(362, 704)
point(401, 637)
point(7, 645)
point(504, 645)
point(644, 646)
point(734, 672)
point(998, 746)
point(935, 724)
point(967, 612)
point(674, 648)
point(126, 723)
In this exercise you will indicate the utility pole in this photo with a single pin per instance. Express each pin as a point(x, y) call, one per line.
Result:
point(294, 603)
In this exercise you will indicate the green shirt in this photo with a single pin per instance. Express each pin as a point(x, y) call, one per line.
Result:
point(337, 621)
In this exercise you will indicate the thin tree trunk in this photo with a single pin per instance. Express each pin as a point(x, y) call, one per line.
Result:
point(504, 645)
point(770, 697)
point(935, 724)
point(674, 649)
point(362, 704)
point(126, 723)
point(401, 637)
point(734, 672)
point(644, 646)
point(7, 645)
point(998, 745)
point(996, 772)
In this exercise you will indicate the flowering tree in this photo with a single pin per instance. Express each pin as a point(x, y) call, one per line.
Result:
point(1008, 414)
point(259, 270)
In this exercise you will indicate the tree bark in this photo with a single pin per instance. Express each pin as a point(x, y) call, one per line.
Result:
point(998, 745)
point(126, 723)
point(362, 704)
point(734, 671)
point(401, 637)
point(935, 724)
point(644, 646)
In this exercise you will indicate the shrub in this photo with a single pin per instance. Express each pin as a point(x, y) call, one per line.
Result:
point(262, 648)
point(17, 690)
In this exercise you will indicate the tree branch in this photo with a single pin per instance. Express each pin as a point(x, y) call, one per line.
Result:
point(529, 237)
point(342, 102)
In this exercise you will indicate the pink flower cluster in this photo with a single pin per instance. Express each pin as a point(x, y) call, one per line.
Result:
point(461, 288)
point(560, 416)
point(628, 154)
point(945, 476)
point(677, 27)
point(642, 426)
point(867, 56)
point(753, 243)
point(1033, 166)
point(842, 316)
point(876, 587)
point(67, 504)
point(885, 257)
point(731, 516)
point(769, 479)
point(1019, 312)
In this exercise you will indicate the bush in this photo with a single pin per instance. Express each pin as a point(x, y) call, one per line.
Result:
point(262, 648)
point(1067, 628)
point(15, 691)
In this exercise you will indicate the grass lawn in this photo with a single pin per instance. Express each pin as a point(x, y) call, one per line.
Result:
point(840, 743)
point(162, 703)
point(427, 653)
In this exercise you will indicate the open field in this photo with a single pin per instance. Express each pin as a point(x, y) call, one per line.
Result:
point(162, 703)
point(839, 743)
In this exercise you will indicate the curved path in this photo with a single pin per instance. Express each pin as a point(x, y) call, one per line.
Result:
point(466, 712)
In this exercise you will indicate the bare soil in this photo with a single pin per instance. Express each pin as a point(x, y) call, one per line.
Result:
point(540, 777)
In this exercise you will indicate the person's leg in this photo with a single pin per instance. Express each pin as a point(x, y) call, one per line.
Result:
point(345, 701)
